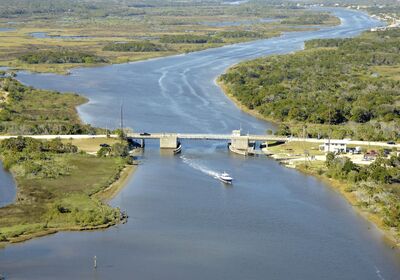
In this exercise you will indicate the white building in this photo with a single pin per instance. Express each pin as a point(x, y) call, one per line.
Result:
point(334, 146)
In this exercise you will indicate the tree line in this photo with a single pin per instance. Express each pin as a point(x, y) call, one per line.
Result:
point(189, 39)
point(59, 57)
point(333, 81)
point(139, 46)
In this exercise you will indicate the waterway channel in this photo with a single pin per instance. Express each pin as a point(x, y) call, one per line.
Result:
point(272, 223)
point(8, 191)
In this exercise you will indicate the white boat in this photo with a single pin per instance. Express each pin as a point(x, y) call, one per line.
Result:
point(178, 149)
point(225, 177)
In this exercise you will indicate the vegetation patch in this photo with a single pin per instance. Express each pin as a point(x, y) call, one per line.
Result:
point(56, 188)
point(140, 46)
point(308, 19)
point(189, 39)
point(60, 57)
point(240, 34)
point(34, 111)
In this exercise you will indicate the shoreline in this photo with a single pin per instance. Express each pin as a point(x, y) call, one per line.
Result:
point(111, 191)
point(336, 185)
point(225, 90)
point(104, 196)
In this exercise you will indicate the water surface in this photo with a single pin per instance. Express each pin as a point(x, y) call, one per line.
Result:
point(7, 187)
point(272, 223)
point(6, 29)
point(45, 35)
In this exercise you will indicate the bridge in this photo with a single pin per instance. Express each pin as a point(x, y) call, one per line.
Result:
point(239, 142)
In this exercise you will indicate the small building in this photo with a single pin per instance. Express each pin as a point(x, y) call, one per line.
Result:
point(237, 133)
point(334, 146)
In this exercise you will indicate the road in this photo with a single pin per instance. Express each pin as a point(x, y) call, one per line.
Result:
point(212, 137)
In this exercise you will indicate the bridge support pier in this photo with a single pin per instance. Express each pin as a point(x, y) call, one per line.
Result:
point(240, 145)
point(168, 141)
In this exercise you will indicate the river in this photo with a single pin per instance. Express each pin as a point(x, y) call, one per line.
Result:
point(272, 223)
point(8, 191)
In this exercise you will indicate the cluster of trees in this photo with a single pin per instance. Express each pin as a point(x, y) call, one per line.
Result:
point(332, 82)
point(98, 214)
point(189, 39)
point(28, 157)
point(140, 46)
point(240, 34)
point(33, 111)
point(59, 57)
point(116, 150)
point(372, 185)
point(382, 170)
point(373, 130)
point(307, 19)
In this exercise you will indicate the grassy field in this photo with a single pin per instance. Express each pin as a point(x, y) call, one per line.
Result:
point(47, 205)
point(295, 148)
point(91, 145)
point(392, 72)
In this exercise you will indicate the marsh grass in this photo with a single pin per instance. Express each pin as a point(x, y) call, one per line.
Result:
point(66, 202)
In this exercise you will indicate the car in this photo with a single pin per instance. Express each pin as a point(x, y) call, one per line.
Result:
point(391, 143)
point(145, 134)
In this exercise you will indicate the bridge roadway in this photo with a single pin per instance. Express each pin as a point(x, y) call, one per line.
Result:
point(253, 137)
point(201, 136)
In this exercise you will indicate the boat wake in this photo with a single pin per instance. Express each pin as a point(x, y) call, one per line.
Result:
point(378, 273)
point(200, 167)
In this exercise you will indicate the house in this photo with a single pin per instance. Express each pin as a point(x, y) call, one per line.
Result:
point(334, 146)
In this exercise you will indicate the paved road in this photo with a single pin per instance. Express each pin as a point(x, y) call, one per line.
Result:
point(203, 136)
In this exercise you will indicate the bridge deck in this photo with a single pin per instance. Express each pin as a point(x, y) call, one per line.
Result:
point(201, 136)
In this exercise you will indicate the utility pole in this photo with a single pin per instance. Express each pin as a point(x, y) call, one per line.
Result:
point(122, 116)
point(122, 121)
point(329, 130)
point(306, 152)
